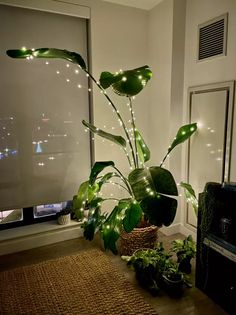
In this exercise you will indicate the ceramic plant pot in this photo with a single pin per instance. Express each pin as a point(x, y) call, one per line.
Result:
point(64, 219)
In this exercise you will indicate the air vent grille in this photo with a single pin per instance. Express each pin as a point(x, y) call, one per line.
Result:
point(212, 38)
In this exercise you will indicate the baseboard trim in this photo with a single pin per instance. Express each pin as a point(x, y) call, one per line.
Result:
point(38, 239)
point(178, 228)
point(170, 230)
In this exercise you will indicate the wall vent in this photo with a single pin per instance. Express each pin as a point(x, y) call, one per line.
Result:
point(212, 38)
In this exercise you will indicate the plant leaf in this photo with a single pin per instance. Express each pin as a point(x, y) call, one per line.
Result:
point(143, 150)
point(107, 78)
point(114, 138)
point(81, 197)
point(105, 178)
point(190, 195)
point(126, 83)
point(183, 134)
point(93, 223)
point(152, 187)
point(133, 215)
point(97, 168)
point(48, 53)
point(111, 229)
point(159, 210)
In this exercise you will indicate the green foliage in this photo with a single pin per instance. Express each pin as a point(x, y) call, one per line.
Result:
point(126, 83)
point(190, 196)
point(48, 53)
point(151, 190)
point(143, 150)
point(185, 248)
point(116, 139)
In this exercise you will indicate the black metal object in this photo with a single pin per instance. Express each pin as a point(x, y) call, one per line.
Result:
point(216, 244)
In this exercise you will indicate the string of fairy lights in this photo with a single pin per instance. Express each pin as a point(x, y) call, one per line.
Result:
point(131, 154)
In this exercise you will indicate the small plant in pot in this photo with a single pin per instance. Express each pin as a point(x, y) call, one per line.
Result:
point(63, 217)
point(185, 251)
point(148, 265)
point(173, 278)
point(149, 191)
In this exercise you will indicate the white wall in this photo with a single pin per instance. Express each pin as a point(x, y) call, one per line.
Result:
point(166, 34)
point(217, 69)
point(160, 33)
point(119, 41)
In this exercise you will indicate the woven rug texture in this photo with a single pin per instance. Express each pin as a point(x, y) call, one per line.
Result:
point(87, 283)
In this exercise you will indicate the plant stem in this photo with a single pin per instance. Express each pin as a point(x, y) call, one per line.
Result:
point(117, 113)
point(134, 129)
point(125, 181)
point(164, 158)
point(119, 185)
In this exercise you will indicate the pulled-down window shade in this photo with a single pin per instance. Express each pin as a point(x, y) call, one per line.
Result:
point(44, 151)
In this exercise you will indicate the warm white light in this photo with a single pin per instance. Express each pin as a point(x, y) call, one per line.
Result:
point(67, 80)
point(67, 65)
point(199, 124)
point(79, 86)
point(47, 63)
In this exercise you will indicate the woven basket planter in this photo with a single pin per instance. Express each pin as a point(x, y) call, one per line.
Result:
point(145, 237)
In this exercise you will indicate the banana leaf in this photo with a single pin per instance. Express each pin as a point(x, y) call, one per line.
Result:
point(97, 168)
point(133, 215)
point(126, 83)
point(183, 134)
point(153, 188)
point(143, 150)
point(48, 53)
point(190, 195)
point(112, 226)
point(94, 222)
point(114, 138)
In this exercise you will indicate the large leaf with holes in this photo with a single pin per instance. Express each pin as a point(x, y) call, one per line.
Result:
point(153, 188)
point(106, 135)
point(97, 168)
point(142, 148)
point(126, 83)
point(48, 53)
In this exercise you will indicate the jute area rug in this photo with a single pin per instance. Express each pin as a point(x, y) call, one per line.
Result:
point(87, 283)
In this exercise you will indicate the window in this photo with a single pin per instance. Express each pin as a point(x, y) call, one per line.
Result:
point(44, 151)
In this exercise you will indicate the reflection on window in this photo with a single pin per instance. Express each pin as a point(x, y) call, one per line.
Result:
point(50, 209)
point(8, 216)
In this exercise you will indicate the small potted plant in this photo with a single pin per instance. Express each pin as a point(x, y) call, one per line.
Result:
point(148, 265)
point(185, 251)
point(63, 217)
point(173, 278)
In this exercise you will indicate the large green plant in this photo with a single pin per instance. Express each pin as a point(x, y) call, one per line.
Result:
point(151, 190)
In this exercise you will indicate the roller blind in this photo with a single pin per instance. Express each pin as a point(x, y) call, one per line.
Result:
point(44, 152)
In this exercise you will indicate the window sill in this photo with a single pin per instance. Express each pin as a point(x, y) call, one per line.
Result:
point(36, 235)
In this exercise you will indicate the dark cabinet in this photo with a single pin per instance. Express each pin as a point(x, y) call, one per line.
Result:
point(216, 245)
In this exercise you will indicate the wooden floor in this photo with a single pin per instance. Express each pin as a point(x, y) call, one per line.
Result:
point(193, 301)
